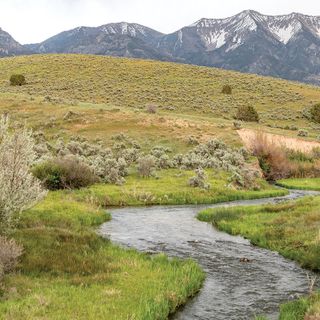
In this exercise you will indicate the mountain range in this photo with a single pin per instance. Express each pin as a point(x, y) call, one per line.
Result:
point(286, 46)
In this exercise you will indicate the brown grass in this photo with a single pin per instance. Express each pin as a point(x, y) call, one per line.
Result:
point(275, 160)
point(249, 136)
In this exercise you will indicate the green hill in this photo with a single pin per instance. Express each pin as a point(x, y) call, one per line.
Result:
point(188, 98)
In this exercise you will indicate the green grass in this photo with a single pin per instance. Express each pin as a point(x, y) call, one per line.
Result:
point(307, 308)
point(292, 229)
point(302, 184)
point(171, 188)
point(69, 272)
point(135, 83)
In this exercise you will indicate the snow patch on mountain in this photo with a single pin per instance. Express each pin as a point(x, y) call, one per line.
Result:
point(247, 23)
point(236, 42)
point(286, 33)
point(214, 40)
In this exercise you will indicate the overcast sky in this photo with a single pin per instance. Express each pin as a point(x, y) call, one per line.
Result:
point(30, 21)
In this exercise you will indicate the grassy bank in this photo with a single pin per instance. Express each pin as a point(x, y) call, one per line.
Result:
point(301, 184)
point(69, 272)
point(307, 308)
point(292, 229)
point(170, 187)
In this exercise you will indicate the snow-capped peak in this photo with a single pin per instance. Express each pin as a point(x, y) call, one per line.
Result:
point(125, 28)
point(233, 31)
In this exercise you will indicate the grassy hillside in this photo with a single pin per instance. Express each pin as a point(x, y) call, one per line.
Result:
point(98, 98)
point(106, 82)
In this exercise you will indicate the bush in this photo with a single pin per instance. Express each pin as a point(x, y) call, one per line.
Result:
point(146, 165)
point(247, 113)
point(19, 190)
point(10, 251)
point(315, 113)
point(316, 153)
point(64, 173)
point(192, 141)
point(17, 80)
point(151, 108)
point(237, 125)
point(199, 180)
point(273, 160)
point(247, 179)
point(303, 133)
point(226, 89)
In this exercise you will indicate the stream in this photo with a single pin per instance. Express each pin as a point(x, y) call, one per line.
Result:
point(233, 290)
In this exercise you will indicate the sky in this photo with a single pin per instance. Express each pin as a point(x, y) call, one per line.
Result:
point(31, 21)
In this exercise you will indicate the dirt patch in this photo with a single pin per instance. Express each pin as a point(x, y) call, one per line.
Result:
point(248, 137)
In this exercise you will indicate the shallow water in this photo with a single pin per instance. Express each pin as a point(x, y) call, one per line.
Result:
point(232, 290)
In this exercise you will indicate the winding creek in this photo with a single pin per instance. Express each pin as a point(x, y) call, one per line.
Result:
point(232, 290)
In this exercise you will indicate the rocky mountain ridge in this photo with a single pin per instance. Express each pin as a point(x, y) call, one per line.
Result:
point(285, 46)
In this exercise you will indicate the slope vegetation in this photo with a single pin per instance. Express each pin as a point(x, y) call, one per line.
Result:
point(172, 88)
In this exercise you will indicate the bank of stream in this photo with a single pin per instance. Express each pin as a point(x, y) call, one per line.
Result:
point(241, 280)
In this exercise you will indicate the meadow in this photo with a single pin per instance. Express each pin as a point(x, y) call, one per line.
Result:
point(67, 270)
point(170, 187)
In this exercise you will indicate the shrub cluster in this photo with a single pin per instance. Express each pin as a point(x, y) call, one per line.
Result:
point(151, 108)
point(111, 165)
point(10, 252)
point(199, 180)
point(272, 159)
point(19, 190)
point(162, 159)
point(146, 166)
point(214, 154)
point(247, 113)
point(17, 80)
point(277, 162)
point(303, 133)
point(315, 113)
point(226, 89)
point(64, 173)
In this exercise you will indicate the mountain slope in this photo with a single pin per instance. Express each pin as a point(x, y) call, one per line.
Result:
point(286, 46)
point(8, 46)
point(282, 46)
point(116, 39)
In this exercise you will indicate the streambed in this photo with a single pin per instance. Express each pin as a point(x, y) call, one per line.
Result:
point(233, 289)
